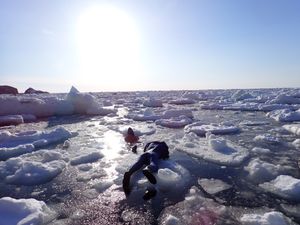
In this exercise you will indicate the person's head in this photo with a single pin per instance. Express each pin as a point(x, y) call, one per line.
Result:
point(165, 153)
point(130, 131)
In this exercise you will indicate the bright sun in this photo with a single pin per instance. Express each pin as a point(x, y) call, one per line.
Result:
point(108, 46)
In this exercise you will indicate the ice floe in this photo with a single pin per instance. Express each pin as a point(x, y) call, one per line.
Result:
point(145, 115)
point(86, 158)
point(194, 209)
point(46, 105)
point(174, 122)
point(269, 218)
point(296, 143)
point(213, 186)
point(293, 128)
point(177, 112)
point(240, 95)
point(259, 150)
point(182, 101)
point(172, 177)
point(285, 115)
point(12, 145)
point(201, 129)
point(260, 171)
point(267, 138)
point(214, 149)
point(285, 99)
point(254, 123)
point(36, 168)
point(85, 103)
point(284, 186)
point(23, 211)
point(153, 103)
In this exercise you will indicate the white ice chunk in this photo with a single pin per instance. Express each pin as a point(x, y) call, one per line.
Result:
point(182, 101)
point(174, 122)
point(12, 145)
point(269, 218)
point(254, 123)
point(194, 209)
point(147, 115)
point(268, 138)
point(284, 186)
point(33, 173)
point(86, 158)
point(240, 95)
point(103, 185)
point(296, 143)
point(171, 220)
point(171, 177)
point(248, 106)
point(33, 168)
point(213, 186)
point(191, 95)
point(213, 149)
point(261, 150)
point(6, 153)
point(201, 129)
point(212, 106)
point(285, 99)
point(177, 112)
point(23, 211)
point(285, 115)
point(274, 107)
point(85, 103)
point(153, 103)
point(293, 128)
point(261, 171)
point(39, 106)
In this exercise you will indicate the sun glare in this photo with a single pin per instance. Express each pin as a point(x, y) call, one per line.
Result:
point(108, 46)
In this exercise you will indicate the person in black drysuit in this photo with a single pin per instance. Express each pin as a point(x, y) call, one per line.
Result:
point(153, 152)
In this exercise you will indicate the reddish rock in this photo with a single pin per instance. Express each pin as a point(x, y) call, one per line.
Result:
point(33, 91)
point(5, 89)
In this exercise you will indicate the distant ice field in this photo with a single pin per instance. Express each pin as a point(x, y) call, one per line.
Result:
point(234, 157)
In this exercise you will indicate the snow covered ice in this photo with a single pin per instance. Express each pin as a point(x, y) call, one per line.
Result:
point(23, 211)
point(234, 157)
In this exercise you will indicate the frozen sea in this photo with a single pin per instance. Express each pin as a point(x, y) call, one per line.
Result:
point(234, 157)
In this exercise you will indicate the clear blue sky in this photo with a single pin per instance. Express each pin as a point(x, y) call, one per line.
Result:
point(183, 44)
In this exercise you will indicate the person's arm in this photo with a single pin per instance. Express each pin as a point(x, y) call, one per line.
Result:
point(153, 167)
point(146, 148)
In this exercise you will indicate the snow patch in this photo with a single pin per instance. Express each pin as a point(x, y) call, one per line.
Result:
point(23, 211)
point(12, 145)
point(284, 186)
point(261, 171)
point(36, 168)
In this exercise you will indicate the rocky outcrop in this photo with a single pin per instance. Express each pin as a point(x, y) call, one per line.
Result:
point(33, 91)
point(5, 89)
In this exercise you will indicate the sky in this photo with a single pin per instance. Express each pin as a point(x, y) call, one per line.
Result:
point(130, 45)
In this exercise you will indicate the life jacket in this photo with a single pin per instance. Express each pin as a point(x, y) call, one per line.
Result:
point(131, 139)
